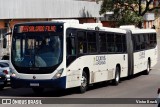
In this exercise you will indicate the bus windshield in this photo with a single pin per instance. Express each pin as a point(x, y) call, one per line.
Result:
point(37, 49)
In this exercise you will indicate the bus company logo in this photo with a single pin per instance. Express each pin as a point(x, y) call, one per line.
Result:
point(34, 77)
point(142, 55)
point(99, 60)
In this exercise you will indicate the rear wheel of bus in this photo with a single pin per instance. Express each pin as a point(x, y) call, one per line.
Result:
point(117, 76)
point(147, 71)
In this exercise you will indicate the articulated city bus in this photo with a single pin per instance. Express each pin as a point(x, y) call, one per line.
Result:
point(63, 55)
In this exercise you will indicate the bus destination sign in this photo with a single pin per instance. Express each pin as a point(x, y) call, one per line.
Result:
point(37, 28)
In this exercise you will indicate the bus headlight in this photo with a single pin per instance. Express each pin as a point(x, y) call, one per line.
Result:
point(12, 72)
point(13, 75)
point(58, 74)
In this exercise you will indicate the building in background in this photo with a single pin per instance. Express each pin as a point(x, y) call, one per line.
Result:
point(17, 11)
point(149, 19)
point(153, 18)
point(157, 16)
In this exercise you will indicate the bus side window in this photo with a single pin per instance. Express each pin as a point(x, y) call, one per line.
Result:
point(152, 40)
point(71, 49)
point(146, 39)
point(137, 44)
point(91, 40)
point(118, 42)
point(142, 40)
point(110, 42)
point(82, 42)
point(102, 42)
point(124, 44)
point(71, 46)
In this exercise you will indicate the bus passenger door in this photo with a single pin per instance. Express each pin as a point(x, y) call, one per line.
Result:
point(72, 71)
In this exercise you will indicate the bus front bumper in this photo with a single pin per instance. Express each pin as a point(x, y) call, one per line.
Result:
point(50, 83)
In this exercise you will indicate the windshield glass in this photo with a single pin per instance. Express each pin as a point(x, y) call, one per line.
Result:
point(36, 49)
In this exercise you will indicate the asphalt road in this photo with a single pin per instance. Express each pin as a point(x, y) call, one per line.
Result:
point(141, 86)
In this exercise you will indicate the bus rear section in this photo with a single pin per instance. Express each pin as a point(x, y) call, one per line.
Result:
point(145, 52)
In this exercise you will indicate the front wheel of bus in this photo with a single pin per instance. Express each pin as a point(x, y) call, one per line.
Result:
point(37, 90)
point(117, 77)
point(84, 83)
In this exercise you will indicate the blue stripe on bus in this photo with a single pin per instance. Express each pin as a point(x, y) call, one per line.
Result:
point(50, 83)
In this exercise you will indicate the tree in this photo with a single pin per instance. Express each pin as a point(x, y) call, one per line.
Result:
point(127, 11)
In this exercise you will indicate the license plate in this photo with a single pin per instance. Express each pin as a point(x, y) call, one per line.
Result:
point(34, 84)
point(1, 83)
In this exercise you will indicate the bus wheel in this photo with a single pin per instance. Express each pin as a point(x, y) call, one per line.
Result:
point(37, 90)
point(147, 71)
point(117, 77)
point(84, 83)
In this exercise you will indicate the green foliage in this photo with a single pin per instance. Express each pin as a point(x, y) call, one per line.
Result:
point(130, 18)
point(126, 11)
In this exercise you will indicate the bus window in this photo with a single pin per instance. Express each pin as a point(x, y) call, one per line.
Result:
point(82, 42)
point(137, 44)
point(91, 38)
point(155, 40)
point(124, 43)
point(146, 40)
point(118, 42)
point(102, 42)
point(152, 40)
point(71, 48)
point(110, 42)
point(142, 41)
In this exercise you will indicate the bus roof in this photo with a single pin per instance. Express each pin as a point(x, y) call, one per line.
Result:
point(75, 21)
point(135, 31)
point(37, 23)
point(91, 26)
point(116, 30)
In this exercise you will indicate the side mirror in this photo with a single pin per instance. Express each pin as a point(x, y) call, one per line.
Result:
point(5, 39)
point(4, 43)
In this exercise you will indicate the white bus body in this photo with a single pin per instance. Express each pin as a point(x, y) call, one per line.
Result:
point(100, 53)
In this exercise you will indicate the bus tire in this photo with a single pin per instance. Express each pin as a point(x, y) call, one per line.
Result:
point(37, 90)
point(147, 71)
point(117, 77)
point(84, 83)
